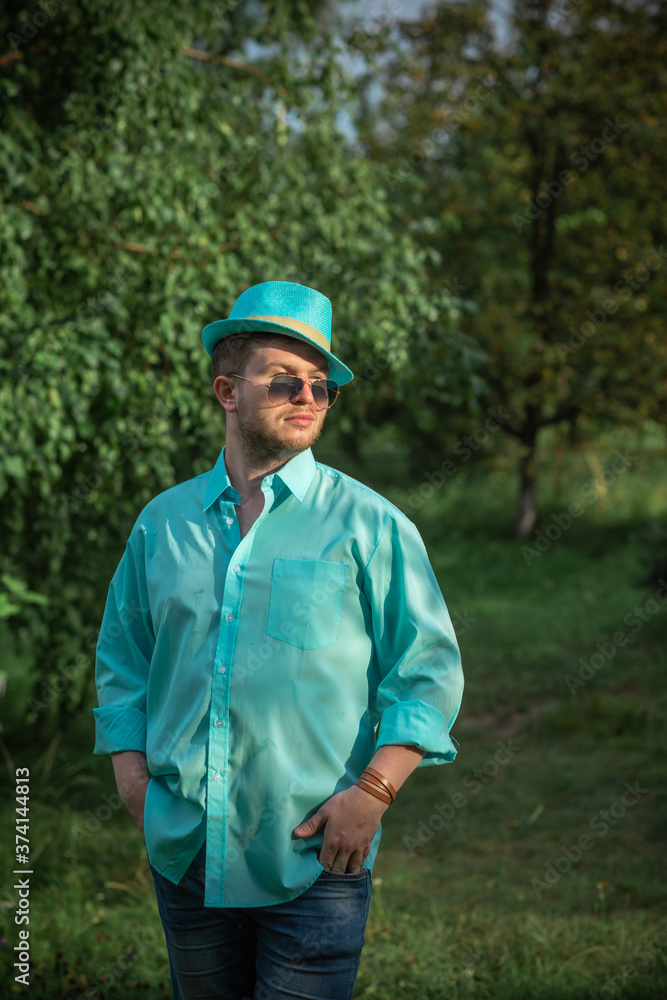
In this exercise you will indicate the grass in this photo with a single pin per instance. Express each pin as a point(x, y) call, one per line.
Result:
point(480, 887)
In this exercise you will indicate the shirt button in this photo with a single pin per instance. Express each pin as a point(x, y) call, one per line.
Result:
point(222, 670)
point(229, 520)
point(230, 618)
point(216, 776)
point(237, 569)
point(219, 722)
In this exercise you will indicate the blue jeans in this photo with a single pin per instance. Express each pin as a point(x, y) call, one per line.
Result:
point(308, 948)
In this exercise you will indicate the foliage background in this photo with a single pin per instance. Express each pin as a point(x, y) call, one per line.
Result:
point(144, 188)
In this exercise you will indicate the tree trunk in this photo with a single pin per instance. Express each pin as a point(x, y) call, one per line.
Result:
point(527, 499)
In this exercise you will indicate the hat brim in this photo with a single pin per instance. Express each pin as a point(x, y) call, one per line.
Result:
point(215, 332)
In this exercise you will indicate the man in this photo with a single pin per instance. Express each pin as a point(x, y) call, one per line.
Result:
point(275, 659)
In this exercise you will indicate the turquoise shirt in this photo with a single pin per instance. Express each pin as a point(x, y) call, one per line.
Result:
point(254, 672)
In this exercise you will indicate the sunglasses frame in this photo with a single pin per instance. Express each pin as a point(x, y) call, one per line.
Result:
point(295, 391)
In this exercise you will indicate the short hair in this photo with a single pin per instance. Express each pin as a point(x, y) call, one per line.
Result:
point(231, 354)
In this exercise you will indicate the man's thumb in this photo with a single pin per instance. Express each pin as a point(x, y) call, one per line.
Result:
point(310, 827)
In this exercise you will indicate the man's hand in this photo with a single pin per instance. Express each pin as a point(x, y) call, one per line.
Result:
point(350, 820)
point(132, 777)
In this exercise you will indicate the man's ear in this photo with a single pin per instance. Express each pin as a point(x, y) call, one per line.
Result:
point(225, 392)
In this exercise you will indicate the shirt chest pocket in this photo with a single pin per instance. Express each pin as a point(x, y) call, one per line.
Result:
point(306, 601)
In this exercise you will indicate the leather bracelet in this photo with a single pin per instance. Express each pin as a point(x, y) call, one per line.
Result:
point(377, 784)
point(375, 790)
point(385, 781)
point(379, 793)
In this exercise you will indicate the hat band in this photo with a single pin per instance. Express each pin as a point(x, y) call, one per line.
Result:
point(295, 324)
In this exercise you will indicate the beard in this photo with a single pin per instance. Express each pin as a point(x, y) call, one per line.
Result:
point(263, 443)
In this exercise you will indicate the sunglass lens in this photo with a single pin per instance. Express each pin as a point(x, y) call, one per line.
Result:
point(320, 395)
point(283, 388)
point(327, 393)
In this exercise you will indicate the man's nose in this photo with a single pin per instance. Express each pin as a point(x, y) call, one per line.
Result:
point(305, 395)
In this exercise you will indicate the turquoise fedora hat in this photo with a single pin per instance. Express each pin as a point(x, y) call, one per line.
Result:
point(282, 307)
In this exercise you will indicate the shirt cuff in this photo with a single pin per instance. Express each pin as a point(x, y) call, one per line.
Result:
point(420, 725)
point(118, 729)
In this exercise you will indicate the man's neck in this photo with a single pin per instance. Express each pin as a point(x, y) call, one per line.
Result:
point(247, 472)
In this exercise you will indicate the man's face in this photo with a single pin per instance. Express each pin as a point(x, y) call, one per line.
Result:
point(270, 432)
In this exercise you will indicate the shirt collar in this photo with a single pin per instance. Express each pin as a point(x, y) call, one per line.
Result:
point(298, 473)
point(295, 474)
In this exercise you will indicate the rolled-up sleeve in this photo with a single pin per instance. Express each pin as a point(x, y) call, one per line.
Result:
point(124, 651)
point(421, 679)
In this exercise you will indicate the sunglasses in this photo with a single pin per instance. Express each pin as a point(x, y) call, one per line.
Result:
point(286, 388)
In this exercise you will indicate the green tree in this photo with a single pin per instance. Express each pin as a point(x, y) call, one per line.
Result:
point(535, 169)
point(150, 171)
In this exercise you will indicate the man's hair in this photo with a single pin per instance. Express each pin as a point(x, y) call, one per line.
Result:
point(231, 354)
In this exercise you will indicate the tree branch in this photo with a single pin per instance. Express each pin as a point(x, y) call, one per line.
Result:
point(31, 207)
point(10, 57)
point(234, 63)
